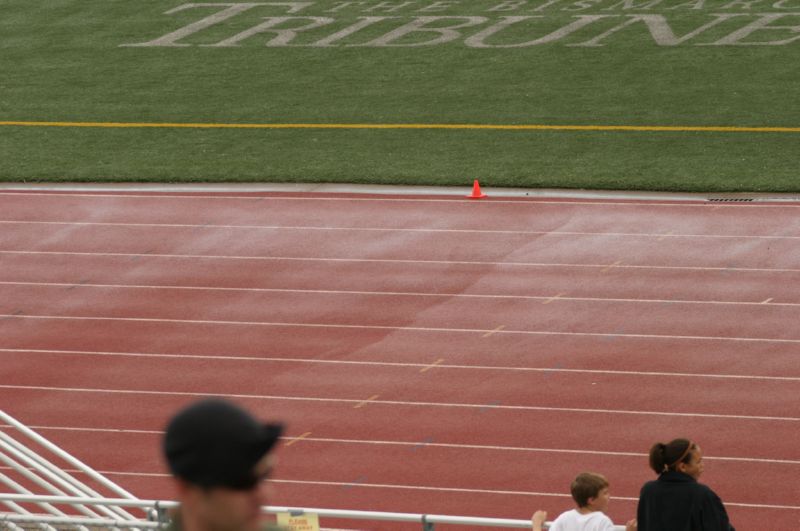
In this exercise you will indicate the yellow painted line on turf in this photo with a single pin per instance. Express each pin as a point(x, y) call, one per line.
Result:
point(497, 127)
point(492, 332)
point(432, 365)
point(298, 438)
point(365, 402)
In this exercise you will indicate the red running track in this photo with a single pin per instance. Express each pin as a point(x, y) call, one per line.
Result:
point(430, 354)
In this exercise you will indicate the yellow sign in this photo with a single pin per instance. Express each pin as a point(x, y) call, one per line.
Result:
point(298, 522)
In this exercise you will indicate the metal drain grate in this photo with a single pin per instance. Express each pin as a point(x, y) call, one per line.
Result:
point(730, 199)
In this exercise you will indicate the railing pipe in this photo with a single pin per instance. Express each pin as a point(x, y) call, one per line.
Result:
point(65, 456)
point(46, 475)
point(326, 513)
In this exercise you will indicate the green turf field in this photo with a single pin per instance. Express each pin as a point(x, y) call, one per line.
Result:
point(652, 63)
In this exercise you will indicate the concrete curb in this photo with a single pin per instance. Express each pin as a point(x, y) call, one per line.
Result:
point(398, 190)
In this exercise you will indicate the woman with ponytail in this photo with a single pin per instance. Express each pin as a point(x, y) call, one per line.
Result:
point(676, 501)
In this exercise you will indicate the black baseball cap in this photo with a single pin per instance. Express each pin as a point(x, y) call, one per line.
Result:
point(215, 443)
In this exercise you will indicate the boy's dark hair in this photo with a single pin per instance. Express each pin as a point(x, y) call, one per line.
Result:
point(587, 485)
point(667, 456)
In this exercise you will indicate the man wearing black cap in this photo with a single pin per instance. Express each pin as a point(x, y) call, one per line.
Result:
point(219, 456)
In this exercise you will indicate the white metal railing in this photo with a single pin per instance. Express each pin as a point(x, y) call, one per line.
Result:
point(156, 507)
point(38, 466)
point(96, 509)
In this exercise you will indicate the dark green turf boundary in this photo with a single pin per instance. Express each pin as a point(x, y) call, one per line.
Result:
point(685, 162)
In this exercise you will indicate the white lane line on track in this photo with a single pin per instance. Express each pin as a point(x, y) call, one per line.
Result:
point(501, 492)
point(441, 489)
point(352, 484)
point(540, 450)
point(456, 199)
point(402, 261)
point(437, 445)
point(546, 298)
point(615, 335)
point(546, 370)
point(375, 403)
point(658, 236)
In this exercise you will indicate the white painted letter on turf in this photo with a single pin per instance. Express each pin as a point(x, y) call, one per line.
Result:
point(230, 10)
point(283, 35)
point(346, 32)
point(762, 23)
point(477, 40)
point(446, 33)
point(659, 29)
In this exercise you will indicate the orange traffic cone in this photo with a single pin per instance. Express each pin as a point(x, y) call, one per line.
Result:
point(476, 191)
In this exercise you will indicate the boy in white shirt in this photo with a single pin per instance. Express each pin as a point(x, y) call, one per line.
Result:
point(590, 492)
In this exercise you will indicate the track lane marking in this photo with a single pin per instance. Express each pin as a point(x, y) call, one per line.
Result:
point(363, 403)
point(296, 439)
point(544, 299)
point(432, 365)
point(637, 455)
point(373, 401)
point(490, 333)
point(544, 370)
point(569, 451)
point(556, 297)
point(439, 489)
point(401, 328)
point(506, 492)
point(725, 269)
point(401, 261)
point(657, 236)
point(340, 484)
